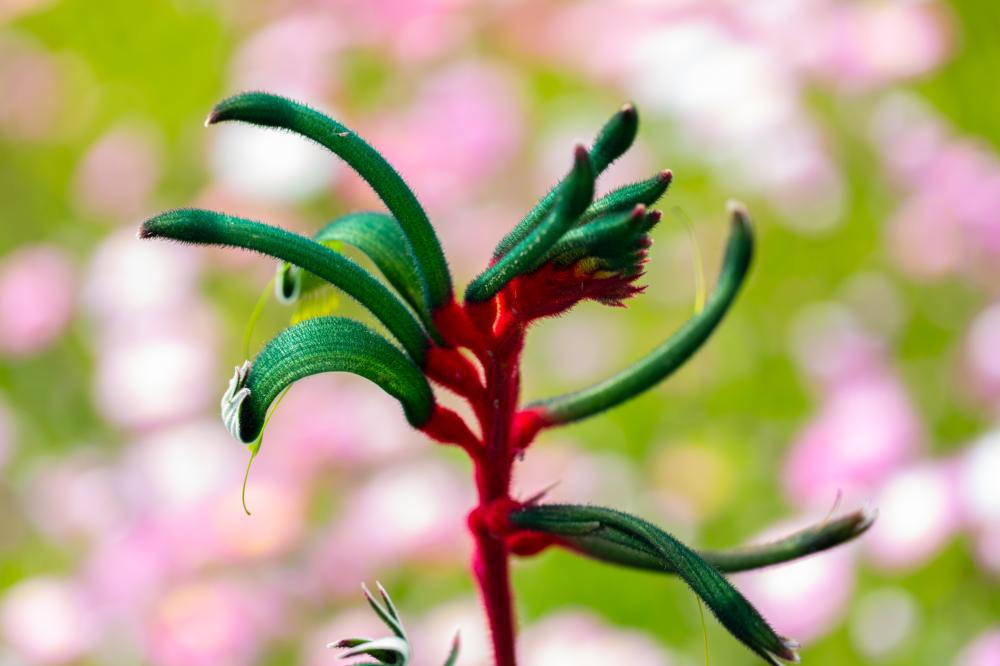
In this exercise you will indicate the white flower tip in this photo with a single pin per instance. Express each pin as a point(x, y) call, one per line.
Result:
point(869, 512)
point(737, 209)
point(232, 400)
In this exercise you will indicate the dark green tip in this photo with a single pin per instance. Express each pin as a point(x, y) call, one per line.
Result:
point(576, 191)
point(267, 110)
point(210, 228)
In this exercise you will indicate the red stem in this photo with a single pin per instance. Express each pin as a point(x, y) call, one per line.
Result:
point(495, 405)
point(493, 475)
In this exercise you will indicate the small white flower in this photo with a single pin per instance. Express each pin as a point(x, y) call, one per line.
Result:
point(233, 399)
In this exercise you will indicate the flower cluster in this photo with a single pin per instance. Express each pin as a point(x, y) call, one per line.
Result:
point(568, 248)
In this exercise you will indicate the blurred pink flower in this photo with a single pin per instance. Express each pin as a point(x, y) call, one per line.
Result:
point(582, 347)
point(988, 550)
point(861, 434)
point(205, 623)
point(293, 56)
point(866, 426)
point(852, 50)
point(269, 166)
point(413, 510)
point(435, 631)
point(329, 421)
point(884, 621)
point(117, 175)
point(351, 623)
point(276, 523)
point(33, 113)
point(804, 599)
point(983, 651)
point(581, 639)
point(408, 512)
point(919, 513)
point(156, 380)
point(414, 31)
point(127, 570)
point(978, 488)
point(47, 621)
point(10, 9)
point(464, 127)
point(568, 474)
point(37, 293)
point(732, 88)
point(982, 356)
point(181, 467)
point(128, 281)
point(75, 498)
point(949, 228)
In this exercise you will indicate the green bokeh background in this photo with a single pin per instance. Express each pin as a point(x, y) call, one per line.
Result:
point(743, 397)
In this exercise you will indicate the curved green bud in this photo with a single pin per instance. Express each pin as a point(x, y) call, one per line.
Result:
point(209, 228)
point(611, 231)
point(595, 530)
point(645, 192)
point(324, 344)
point(817, 538)
point(575, 192)
point(611, 142)
point(826, 535)
point(662, 361)
point(382, 240)
point(258, 108)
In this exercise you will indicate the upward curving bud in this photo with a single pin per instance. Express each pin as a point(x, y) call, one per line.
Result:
point(575, 194)
point(611, 142)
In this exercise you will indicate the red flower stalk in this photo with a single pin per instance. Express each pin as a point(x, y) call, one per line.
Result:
point(569, 248)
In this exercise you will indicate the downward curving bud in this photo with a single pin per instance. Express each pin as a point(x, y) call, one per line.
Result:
point(324, 344)
point(598, 532)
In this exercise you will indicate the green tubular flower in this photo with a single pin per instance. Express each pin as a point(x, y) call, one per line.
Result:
point(210, 228)
point(645, 193)
point(323, 344)
point(258, 108)
point(632, 553)
point(609, 236)
point(669, 356)
point(598, 531)
point(575, 193)
point(382, 240)
point(612, 141)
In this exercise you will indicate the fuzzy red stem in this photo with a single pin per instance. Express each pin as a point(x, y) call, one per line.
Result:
point(491, 564)
point(496, 336)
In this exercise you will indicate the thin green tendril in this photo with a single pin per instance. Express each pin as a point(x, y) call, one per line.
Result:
point(704, 627)
point(700, 290)
point(255, 449)
point(258, 309)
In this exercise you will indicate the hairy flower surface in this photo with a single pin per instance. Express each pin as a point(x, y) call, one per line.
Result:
point(567, 249)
